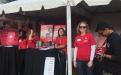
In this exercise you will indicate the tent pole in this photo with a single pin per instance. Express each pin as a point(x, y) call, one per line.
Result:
point(69, 42)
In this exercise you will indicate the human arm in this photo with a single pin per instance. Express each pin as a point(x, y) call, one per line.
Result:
point(61, 43)
point(60, 46)
point(75, 56)
point(107, 56)
point(93, 48)
point(30, 35)
point(114, 49)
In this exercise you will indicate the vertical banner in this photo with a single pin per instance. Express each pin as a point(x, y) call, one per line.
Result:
point(56, 27)
point(49, 66)
point(46, 33)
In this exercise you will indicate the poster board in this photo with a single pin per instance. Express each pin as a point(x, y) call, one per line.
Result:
point(46, 33)
point(49, 66)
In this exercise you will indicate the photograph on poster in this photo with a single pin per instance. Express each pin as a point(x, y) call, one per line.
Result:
point(46, 34)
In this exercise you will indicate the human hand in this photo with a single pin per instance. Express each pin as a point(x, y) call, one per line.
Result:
point(75, 64)
point(89, 64)
point(56, 46)
point(31, 32)
point(100, 54)
point(107, 56)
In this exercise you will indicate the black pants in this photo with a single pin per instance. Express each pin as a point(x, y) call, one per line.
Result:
point(22, 53)
point(97, 67)
point(62, 64)
point(9, 60)
point(1, 53)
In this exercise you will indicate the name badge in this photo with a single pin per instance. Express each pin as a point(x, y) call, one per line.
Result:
point(78, 39)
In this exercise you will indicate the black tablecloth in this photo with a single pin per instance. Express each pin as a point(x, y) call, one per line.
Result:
point(8, 60)
point(35, 59)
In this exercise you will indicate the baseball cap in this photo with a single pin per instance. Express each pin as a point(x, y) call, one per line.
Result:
point(102, 25)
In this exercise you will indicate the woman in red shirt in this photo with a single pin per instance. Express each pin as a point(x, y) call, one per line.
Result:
point(101, 43)
point(84, 49)
point(22, 40)
point(22, 50)
point(32, 39)
point(61, 44)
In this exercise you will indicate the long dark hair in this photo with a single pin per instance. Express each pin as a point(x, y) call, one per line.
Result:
point(64, 33)
point(23, 36)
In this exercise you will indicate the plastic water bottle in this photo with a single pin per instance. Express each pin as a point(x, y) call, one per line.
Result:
point(39, 43)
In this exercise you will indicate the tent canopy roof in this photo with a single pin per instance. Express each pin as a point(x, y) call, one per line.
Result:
point(113, 7)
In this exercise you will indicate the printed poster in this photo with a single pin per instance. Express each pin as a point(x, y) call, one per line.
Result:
point(46, 33)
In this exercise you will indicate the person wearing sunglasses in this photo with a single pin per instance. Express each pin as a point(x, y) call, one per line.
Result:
point(112, 57)
point(84, 49)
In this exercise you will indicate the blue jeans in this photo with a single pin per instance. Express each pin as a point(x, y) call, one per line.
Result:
point(83, 69)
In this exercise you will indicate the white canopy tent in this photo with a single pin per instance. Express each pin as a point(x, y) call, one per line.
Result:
point(32, 5)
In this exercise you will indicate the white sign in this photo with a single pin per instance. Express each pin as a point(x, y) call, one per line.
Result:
point(49, 66)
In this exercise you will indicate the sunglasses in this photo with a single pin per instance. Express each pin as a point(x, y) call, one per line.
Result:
point(83, 27)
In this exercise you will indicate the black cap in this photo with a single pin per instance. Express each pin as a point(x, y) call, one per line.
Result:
point(102, 25)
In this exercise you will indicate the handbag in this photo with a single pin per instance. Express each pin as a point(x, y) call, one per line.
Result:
point(100, 51)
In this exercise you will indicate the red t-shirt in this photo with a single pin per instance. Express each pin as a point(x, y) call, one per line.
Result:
point(23, 44)
point(9, 36)
point(62, 41)
point(32, 43)
point(83, 43)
